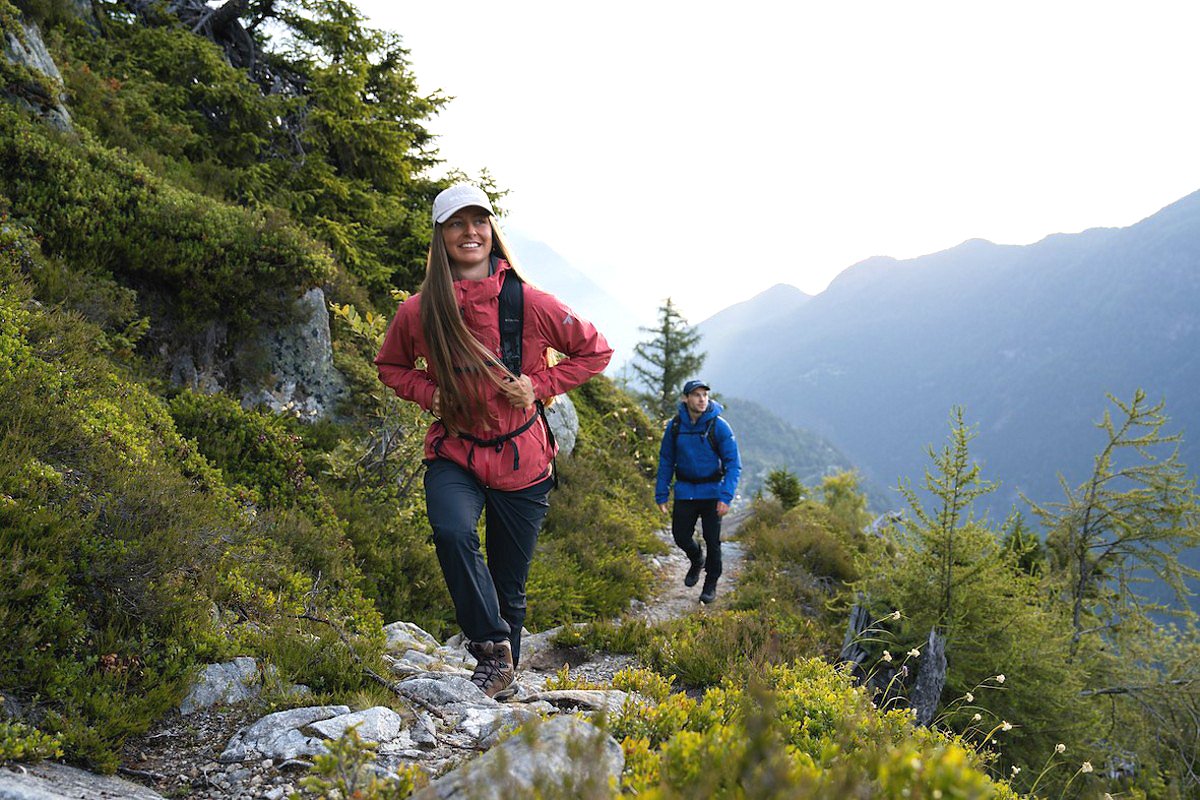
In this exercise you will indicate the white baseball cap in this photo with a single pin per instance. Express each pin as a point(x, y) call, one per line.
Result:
point(458, 196)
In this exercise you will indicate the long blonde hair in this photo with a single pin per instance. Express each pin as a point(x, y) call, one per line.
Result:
point(455, 356)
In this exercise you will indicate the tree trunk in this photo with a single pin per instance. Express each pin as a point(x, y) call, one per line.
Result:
point(931, 679)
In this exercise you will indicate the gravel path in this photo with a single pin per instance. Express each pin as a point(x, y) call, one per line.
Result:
point(673, 599)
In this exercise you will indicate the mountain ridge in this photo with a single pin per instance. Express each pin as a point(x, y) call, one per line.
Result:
point(1029, 338)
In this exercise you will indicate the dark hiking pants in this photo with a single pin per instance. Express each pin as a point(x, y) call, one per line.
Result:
point(489, 597)
point(683, 528)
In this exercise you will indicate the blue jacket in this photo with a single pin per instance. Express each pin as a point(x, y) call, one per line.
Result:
point(691, 452)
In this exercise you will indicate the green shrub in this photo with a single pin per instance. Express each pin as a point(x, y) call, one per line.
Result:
point(800, 730)
point(118, 539)
point(703, 650)
point(629, 636)
point(110, 216)
point(348, 770)
point(20, 742)
point(601, 516)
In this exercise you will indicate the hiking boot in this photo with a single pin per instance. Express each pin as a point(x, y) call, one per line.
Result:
point(693, 573)
point(709, 593)
point(494, 673)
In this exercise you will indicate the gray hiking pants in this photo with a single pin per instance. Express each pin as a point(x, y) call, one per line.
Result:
point(489, 596)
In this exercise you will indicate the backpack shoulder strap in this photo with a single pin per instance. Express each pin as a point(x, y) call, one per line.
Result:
point(512, 321)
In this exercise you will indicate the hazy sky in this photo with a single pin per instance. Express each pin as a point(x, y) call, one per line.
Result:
point(710, 150)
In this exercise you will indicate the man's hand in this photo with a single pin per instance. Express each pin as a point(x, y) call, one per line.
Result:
point(662, 507)
point(722, 508)
point(518, 392)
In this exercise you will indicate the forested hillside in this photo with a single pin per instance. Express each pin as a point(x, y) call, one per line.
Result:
point(198, 205)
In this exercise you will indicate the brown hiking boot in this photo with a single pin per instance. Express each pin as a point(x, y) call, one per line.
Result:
point(494, 673)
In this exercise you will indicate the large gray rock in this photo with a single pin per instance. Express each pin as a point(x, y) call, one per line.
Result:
point(403, 636)
point(564, 423)
point(299, 356)
point(49, 781)
point(486, 725)
point(236, 681)
point(377, 724)
point(565, 753)
point(197, 363)
point(607, 700)
point(443, 690)
point(280, 735)
point(232, 682)
point(29, 50)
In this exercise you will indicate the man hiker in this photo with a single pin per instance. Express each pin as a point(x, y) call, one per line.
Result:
point(700, 453)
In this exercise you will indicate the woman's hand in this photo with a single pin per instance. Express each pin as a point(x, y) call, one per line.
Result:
point(519, 392)
point(435, 405)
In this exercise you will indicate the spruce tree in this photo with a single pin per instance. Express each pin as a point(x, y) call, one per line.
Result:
point(663, 363)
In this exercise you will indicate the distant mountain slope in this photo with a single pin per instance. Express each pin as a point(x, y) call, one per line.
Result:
point(1029, 339)
point(721, 329)
point(549, 270)
point(767, 442)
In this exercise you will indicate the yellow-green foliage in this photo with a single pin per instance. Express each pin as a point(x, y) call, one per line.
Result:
point(808, 535)
point(347, 771)
point(117, 536)
point(109, 215)
point(702, 650)
point(802, 730)
point(19, 742)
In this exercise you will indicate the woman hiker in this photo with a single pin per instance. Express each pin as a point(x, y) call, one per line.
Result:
point(490, 447)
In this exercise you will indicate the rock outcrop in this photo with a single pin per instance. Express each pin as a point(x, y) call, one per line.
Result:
point(43, 93)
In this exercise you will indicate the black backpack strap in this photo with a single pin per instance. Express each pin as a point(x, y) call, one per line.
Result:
point(512, 321)
point(708, 435)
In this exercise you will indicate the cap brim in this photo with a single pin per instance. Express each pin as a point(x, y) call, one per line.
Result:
point(448, 213)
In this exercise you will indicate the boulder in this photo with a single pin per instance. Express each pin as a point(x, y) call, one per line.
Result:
point(565, 753)
point(564, 423)
point(299, 364)
point(280, 735)
point(29, 50)
point(232, 682)
point(50, 781)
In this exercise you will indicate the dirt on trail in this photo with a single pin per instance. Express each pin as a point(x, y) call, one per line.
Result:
point(673, 599)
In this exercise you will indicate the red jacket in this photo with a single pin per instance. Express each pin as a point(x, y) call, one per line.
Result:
point(548, 324)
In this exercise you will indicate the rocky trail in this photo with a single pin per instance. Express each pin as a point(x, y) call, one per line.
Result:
point(221, 744)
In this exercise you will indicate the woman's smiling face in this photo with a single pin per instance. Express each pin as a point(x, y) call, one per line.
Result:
point(467, 235)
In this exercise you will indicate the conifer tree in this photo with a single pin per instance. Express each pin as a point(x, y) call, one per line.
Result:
point(1129, 521)
point(942, 568)
point(663, 363)
point(949, 538)
point(783, 484)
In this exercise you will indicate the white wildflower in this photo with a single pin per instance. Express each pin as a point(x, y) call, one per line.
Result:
point(970, 697)
point(887, 656)
point(1060, 748)
point(915, 653)
point(1085, 767)
point(1000, 678)
point(976, 718)
point(1005, 725)
point(1015, 770)
point(896, 615)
